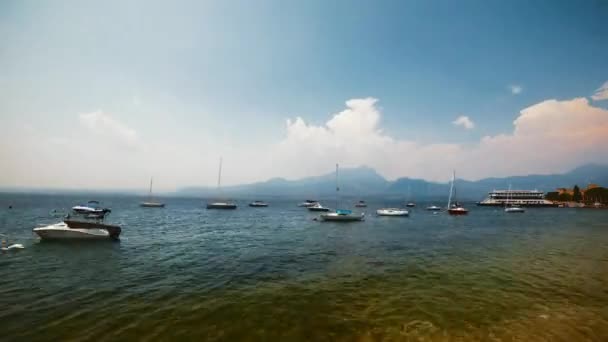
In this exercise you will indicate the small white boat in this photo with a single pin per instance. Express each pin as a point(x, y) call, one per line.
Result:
point(342, 216)
point(258, 204)
point(410, 205)
point(511, 207)
point(392, 212)
point(361, 204)
point(308, 203)
point(514, 210)
point(433, 208)
point(69, 230)
point(92, 207)
point(318, 207)
point(221, 205)
point(11, 247)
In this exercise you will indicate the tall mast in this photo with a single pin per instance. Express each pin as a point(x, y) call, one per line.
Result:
point(451, 190)
point(337, 187)
point(219, 176)
point(150, 191)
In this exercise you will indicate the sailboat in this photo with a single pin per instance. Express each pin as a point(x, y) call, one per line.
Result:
point(341, 215)
point(150, 203)
point(455, 208)
point(510, 207)
point(410, 204)
point(220, 204)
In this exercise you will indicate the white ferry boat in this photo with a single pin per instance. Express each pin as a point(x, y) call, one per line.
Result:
point(522, 198)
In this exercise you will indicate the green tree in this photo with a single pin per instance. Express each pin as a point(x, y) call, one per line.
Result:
point(576, 194)
point(552, 196)
point(564, 197)
point(597, 194)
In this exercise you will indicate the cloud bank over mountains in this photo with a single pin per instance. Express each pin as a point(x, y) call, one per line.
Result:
point(547, 137)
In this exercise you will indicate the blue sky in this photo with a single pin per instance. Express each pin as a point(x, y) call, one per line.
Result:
point(223, 77)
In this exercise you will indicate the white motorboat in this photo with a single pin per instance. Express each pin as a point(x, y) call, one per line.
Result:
point(511, 207)
point(392, 212)
point(361, 204)
point(410, 204)
point(91, 208)
point(318, 207)
point(514, 210)
point(70, 229)
point(308, 203)
point(5, 247)
point(433, 208)
point(258, 204)
point(342, 216)
point(221, 205)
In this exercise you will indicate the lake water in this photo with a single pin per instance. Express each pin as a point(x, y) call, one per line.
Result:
point(187, 273)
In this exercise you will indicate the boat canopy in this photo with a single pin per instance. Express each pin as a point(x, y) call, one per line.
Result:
point(343, 212)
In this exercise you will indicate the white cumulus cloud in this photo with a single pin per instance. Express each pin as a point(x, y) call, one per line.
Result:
point(548, 137)
point(601, 93)
point(110, 128)
point(464, 121)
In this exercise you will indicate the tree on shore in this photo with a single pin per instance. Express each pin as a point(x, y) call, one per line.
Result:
point(576, 194)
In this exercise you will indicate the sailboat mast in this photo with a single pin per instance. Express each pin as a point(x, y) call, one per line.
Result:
point(451, 190)
point(337, 187)
point(219, 175)
point(150, 191)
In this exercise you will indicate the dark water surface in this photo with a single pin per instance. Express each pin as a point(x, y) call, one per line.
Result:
point(186, 273)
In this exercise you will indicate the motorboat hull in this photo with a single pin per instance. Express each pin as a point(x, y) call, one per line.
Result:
point(515, 210)
point(152, 205)
point(335, 217)
point(410, 205)
point(86, 231)
point(433, 208)
point(258, 205)
point(392, 212)
point(318, 209)
point(458, 211)
point(227, 206)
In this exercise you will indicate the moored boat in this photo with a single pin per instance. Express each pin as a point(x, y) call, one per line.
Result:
point(221, 204)
point(342, 215)
point(258, 204)
point(91, 208)
point(318, 207)
point(308, 203)
point(392, 212)
point(511, 207)
point(361, 204)
point(433, 208)
point(151, 203)
point(455, 208)
point(73, 229)
point(410, 204)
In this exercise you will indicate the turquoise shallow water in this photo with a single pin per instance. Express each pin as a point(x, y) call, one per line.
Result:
point(186, 273)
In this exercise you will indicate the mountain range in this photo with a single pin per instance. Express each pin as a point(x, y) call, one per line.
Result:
point(366, 182)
